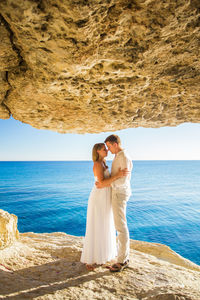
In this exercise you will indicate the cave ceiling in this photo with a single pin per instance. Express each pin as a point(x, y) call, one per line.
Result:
point(92, 66)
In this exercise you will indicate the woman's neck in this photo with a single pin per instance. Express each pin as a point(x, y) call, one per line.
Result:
point(101, 159)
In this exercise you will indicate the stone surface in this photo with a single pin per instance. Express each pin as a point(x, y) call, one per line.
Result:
point(47, 266)
point(8, 229)
point(92, 66)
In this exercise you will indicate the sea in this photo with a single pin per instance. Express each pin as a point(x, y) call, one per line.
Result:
point(52, 196)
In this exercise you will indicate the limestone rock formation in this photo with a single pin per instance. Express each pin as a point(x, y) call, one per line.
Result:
point(47, 266)
point(8, 229)
point(92, 66)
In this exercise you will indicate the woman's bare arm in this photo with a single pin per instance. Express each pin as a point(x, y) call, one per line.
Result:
point(105, 182)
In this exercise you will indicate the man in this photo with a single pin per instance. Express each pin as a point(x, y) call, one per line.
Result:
point(121, 192)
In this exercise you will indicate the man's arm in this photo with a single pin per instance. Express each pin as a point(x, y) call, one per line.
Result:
point(108, 181)
point(99, 173)
point(124, 162)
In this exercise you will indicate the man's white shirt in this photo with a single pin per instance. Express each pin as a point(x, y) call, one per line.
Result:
point(122, 185)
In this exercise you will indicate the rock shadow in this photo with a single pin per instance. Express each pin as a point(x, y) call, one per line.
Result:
point(45, 279)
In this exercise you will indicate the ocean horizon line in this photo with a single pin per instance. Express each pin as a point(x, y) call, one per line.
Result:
point(90, 160)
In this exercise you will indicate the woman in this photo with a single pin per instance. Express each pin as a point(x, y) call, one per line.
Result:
point(100, 239)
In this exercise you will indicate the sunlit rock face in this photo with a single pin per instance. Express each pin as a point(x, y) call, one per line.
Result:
point(8, 229)
point(47, 266)
point(91, 66)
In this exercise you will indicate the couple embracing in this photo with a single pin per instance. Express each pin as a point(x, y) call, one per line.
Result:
point(106, 211)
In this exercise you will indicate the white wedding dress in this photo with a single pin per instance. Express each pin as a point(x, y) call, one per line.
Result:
point(100, 238)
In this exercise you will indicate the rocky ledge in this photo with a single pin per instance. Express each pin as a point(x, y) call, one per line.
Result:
point(47, 266)
point(92, 66)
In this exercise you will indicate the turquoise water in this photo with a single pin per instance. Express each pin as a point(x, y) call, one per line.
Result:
point(52, 196)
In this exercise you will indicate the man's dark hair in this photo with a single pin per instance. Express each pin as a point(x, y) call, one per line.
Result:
point(113, 138)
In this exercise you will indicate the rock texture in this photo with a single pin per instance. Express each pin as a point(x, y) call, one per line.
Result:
point(8, 229)
point(47, 266)
point(92, 66)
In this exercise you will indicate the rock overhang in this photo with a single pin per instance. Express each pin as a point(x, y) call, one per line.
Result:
point(86, 67)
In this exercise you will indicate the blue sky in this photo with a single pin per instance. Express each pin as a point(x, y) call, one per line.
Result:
point(19, 141)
